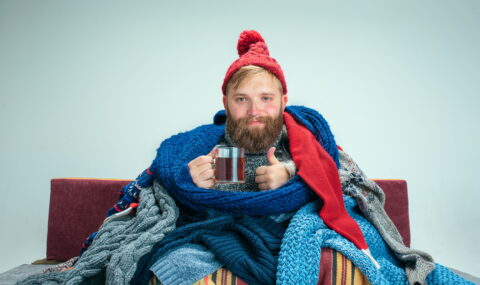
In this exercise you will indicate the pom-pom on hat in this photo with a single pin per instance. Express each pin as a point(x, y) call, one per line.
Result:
point(252, 50)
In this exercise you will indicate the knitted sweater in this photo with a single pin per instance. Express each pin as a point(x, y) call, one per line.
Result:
point(185, 264)
point(253, 160)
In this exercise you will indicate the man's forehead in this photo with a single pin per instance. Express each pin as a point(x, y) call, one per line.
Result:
point(258, 78)
point(263, 84)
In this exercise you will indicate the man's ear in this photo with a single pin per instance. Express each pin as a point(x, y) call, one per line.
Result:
point(224, 99)
point(284, 101)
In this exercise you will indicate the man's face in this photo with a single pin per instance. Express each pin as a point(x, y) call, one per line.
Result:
point(254, 112)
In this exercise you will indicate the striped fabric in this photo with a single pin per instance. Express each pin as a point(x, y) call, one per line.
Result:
point(335, 269)
point(220, 277)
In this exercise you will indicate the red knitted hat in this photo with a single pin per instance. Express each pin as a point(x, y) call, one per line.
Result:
point(253, 50)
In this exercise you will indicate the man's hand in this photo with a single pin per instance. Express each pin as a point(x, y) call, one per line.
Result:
point(201, 170)
point(272, 176)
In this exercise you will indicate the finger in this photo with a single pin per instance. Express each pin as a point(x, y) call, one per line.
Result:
point(212, 153)
point(207, 175)
point(198, 168)
point(210, 183)
point(205, 159)
point(261, 179)
point(198, 171)
point(201, 160)
point(206, 184)
point(206, 180)
point(271, 157)
point(261, 170)
point(263, 186)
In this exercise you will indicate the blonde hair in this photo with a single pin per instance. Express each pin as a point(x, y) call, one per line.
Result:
point(249, 70)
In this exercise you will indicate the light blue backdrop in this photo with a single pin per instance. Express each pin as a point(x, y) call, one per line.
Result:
point(90, 89)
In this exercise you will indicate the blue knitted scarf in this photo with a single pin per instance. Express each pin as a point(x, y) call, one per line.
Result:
point(175, 153)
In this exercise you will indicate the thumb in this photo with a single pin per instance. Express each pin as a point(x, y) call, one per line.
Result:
point(271, 156)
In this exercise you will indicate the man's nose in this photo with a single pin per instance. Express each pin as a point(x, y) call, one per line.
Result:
point(254, 108)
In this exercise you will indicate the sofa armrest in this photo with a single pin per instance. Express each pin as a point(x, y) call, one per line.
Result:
point(396, 205)
point(78, 207)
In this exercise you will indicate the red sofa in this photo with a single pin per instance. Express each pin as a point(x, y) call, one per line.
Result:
point(78, 207)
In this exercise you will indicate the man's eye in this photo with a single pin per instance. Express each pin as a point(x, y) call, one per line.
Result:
point(240, 99)
point(267, 98)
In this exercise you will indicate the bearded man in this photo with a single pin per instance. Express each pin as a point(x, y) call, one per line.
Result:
point(254, 105)
point(306, 213)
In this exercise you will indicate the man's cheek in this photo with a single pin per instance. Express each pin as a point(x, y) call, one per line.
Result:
point(271, 109)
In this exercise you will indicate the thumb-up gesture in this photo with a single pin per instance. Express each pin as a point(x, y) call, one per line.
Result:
point(272, 176)
point(201, 170)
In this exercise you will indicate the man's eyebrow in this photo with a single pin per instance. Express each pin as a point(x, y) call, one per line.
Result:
point(239, 94)
point(263, 93)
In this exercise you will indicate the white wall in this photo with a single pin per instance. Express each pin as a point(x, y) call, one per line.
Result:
point(90, 89)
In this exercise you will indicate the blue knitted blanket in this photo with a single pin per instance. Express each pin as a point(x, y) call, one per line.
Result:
point(247, 246)
point(307, 234)
point(171, 168)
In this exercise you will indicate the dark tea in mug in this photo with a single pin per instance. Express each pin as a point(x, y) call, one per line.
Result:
point(229, 165)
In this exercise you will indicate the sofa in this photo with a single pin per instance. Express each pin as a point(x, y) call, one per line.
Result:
point(78, 206)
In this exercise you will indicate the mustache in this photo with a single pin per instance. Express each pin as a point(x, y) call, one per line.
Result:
point(261, 119)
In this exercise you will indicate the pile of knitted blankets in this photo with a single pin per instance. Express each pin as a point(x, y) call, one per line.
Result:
point(268, 237)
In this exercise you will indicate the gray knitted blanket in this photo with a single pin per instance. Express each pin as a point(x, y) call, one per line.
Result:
point(371, 200)
point(120, 243)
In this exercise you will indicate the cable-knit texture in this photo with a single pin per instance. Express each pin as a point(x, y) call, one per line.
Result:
point(252, 50)
point(306, 234)
point(370, 198)
point(120, 243)
point(175, 153)
point(247, 246)
point(247, 39)
point(124, 246)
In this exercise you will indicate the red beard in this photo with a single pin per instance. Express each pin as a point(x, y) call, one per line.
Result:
point(254, 139)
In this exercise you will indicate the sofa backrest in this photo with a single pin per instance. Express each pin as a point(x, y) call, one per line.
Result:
point(78, 207)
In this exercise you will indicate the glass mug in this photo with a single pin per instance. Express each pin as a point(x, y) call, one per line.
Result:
point(229, 164)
